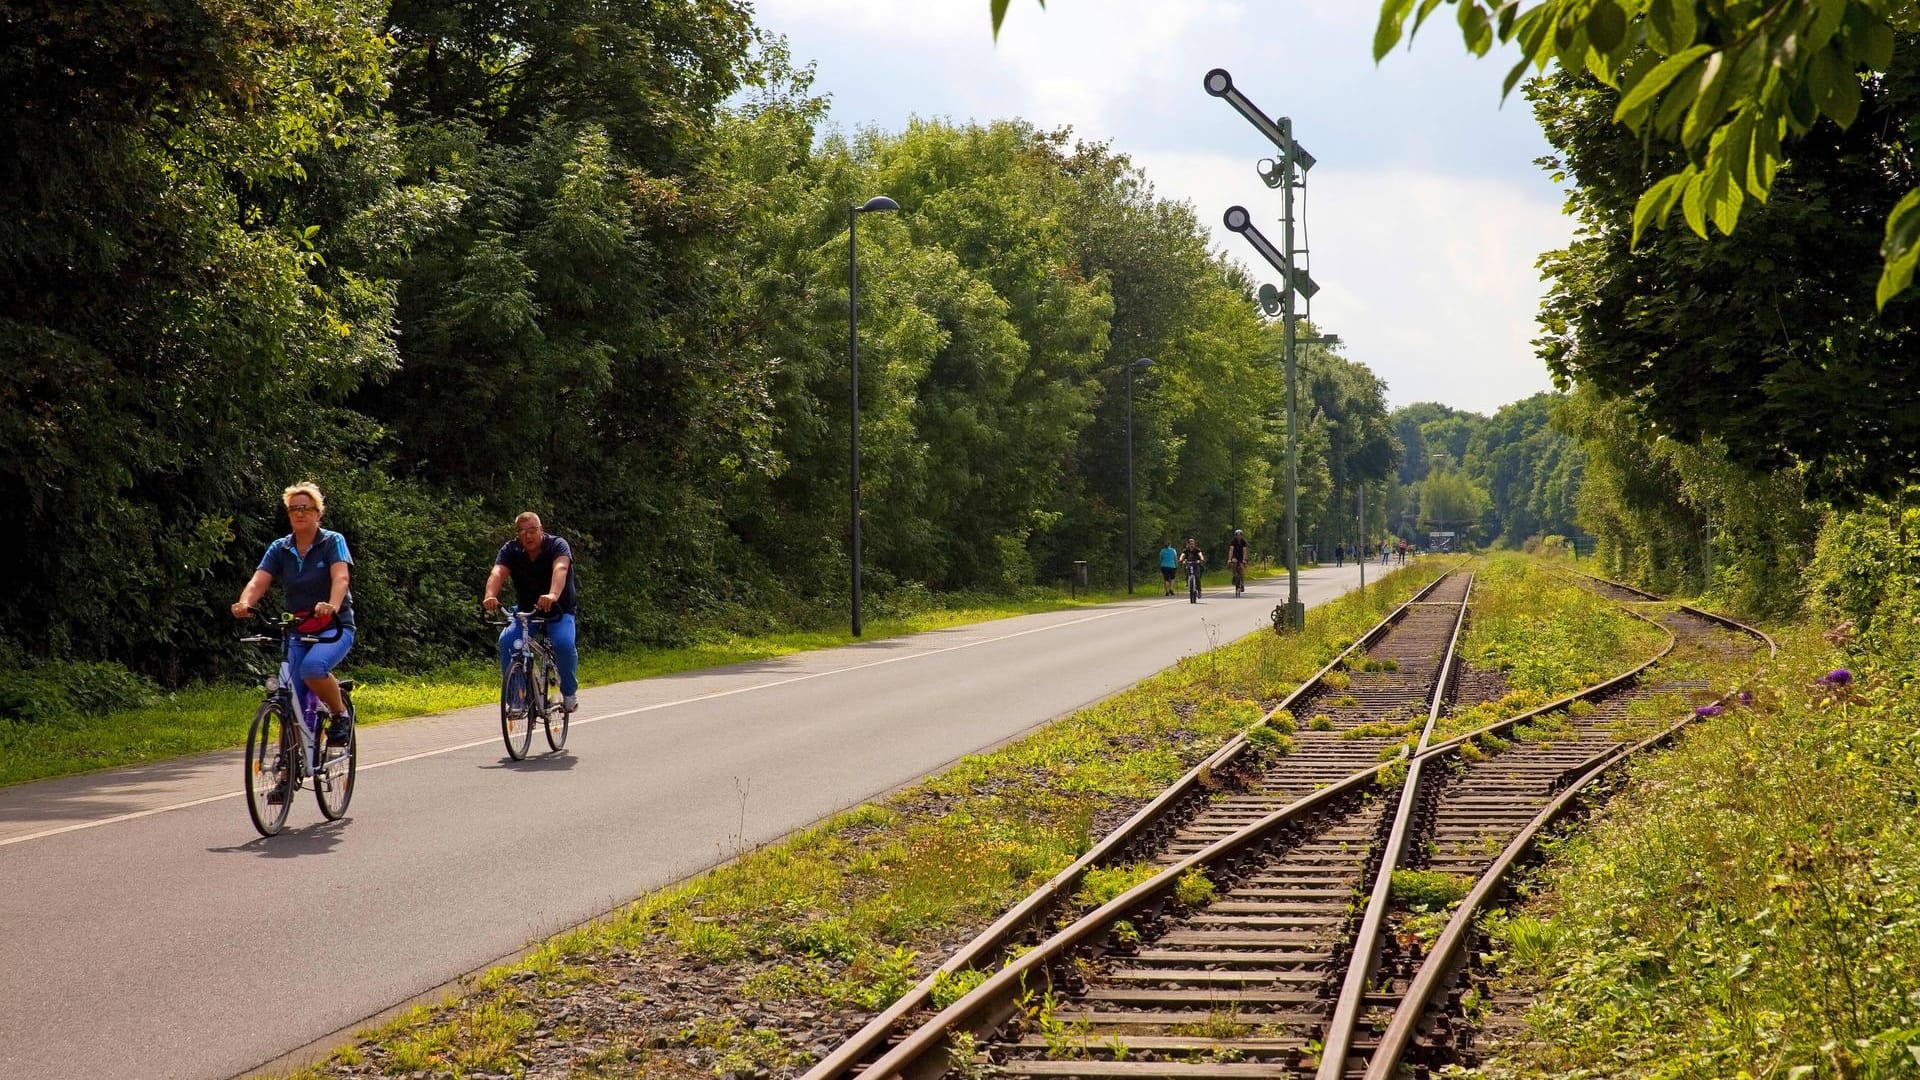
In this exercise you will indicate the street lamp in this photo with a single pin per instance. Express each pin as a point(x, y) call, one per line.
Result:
point(878, 202)
point(1138, 365)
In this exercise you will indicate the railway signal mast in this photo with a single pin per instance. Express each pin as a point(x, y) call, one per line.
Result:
point(1285, 172)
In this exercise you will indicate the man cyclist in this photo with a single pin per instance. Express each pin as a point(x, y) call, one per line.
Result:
point(541, 566)
point(1195, 560)
point(1237, 559)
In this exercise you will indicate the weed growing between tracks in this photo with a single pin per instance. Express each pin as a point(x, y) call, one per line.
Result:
point(1544, 636)
point(759, 967)
point(1749, 905)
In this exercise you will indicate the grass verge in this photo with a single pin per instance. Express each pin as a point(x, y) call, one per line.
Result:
point(204, 718)
point(1746, 906)
point(761, 966)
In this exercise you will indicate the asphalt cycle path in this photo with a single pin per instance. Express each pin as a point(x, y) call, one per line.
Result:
point(147, 932)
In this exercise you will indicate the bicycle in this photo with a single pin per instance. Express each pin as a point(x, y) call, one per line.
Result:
point(530, 688)
point(1193, 581)
point(1239, 578)
point(283, 756)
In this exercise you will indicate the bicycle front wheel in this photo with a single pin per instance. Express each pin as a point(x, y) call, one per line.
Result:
point(269, 777)
point(516, 707)
point(338, 764)
point(557, 715)
point(1193, 588)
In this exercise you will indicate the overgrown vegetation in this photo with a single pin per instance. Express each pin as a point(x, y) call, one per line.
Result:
point(851, 913)
point(1746, 904)
point(454, 260)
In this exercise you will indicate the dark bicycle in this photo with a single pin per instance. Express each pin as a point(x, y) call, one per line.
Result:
point(1239, 578)
point(285, 747)
point(530, 689)
point(1193, 581)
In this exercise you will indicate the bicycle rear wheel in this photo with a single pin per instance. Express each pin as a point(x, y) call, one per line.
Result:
point(516, 707)
point(557, 715)
point(1193, 586)
point(333, 788)
point(269, 779)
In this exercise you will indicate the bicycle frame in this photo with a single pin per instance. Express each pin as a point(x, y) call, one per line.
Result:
point(539, 652)
point(298, 702)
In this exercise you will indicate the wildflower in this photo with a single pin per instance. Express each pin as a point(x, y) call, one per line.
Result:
point(1838, 677)
point(1746, 697)
point(1714, 709)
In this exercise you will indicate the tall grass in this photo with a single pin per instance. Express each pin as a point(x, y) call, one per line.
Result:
point(1750, 904)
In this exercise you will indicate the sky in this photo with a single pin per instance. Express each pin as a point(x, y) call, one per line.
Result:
point(1424, 214)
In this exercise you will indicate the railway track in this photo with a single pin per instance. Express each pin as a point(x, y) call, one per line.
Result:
point(1271, 940)
point(1341, 720)
point(1430, 1025)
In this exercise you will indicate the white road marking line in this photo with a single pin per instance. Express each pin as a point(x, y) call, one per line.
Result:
point(117, 818)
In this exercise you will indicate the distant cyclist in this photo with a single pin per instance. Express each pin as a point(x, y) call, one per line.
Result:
point(1169, 562)
point(541, 566)
point(1196, 560)
point(1237, 560)
point(312, 565)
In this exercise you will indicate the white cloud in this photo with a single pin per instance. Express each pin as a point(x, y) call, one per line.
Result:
point(1428, 278)
point(1426, 213)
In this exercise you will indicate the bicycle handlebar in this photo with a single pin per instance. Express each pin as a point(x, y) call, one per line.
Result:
point(285, 628)
point(514, 615)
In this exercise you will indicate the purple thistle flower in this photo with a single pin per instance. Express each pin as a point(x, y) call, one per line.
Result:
point(1746, 697)
point(1714, 709)
point(1838, 677)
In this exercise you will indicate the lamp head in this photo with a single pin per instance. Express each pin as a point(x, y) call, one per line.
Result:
point(878, 202)
point(1143, 363)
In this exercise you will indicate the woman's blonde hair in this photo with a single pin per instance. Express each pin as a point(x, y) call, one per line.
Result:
point(310, 489)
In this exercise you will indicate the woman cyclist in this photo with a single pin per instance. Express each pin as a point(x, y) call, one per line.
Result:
point(312, 565)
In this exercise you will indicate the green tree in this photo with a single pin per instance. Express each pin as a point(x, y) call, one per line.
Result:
point(1762, 342)
point(1728, 84)
point(182, 301)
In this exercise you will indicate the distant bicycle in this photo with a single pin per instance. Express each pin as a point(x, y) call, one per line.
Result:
point(285, 746)
point(1239, 579)
point(530, 690)
point(1193, 582)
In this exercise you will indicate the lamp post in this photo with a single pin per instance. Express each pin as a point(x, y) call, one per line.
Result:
point(878, 202)
point(1137, 365)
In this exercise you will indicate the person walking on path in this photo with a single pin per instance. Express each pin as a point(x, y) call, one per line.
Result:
point(1169, 562)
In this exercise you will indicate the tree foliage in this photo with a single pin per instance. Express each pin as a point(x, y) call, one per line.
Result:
point(1762, 342)
point(588, 257)
point(1499, 479)
point(1728, 84)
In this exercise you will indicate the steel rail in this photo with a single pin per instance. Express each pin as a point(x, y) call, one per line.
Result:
point(1346, 1014)
point(934, 1033)
point(992, 942)
point(1447, 950)
point(991, 1004)
point(1711, 616)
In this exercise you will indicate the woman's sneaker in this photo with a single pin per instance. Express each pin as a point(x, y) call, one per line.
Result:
point(570, 702)
point(339, 730)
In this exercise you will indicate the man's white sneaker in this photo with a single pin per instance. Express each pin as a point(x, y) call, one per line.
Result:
point(570, 703)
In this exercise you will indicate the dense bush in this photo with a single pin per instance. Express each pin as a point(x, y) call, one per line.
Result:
point(50, 692)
